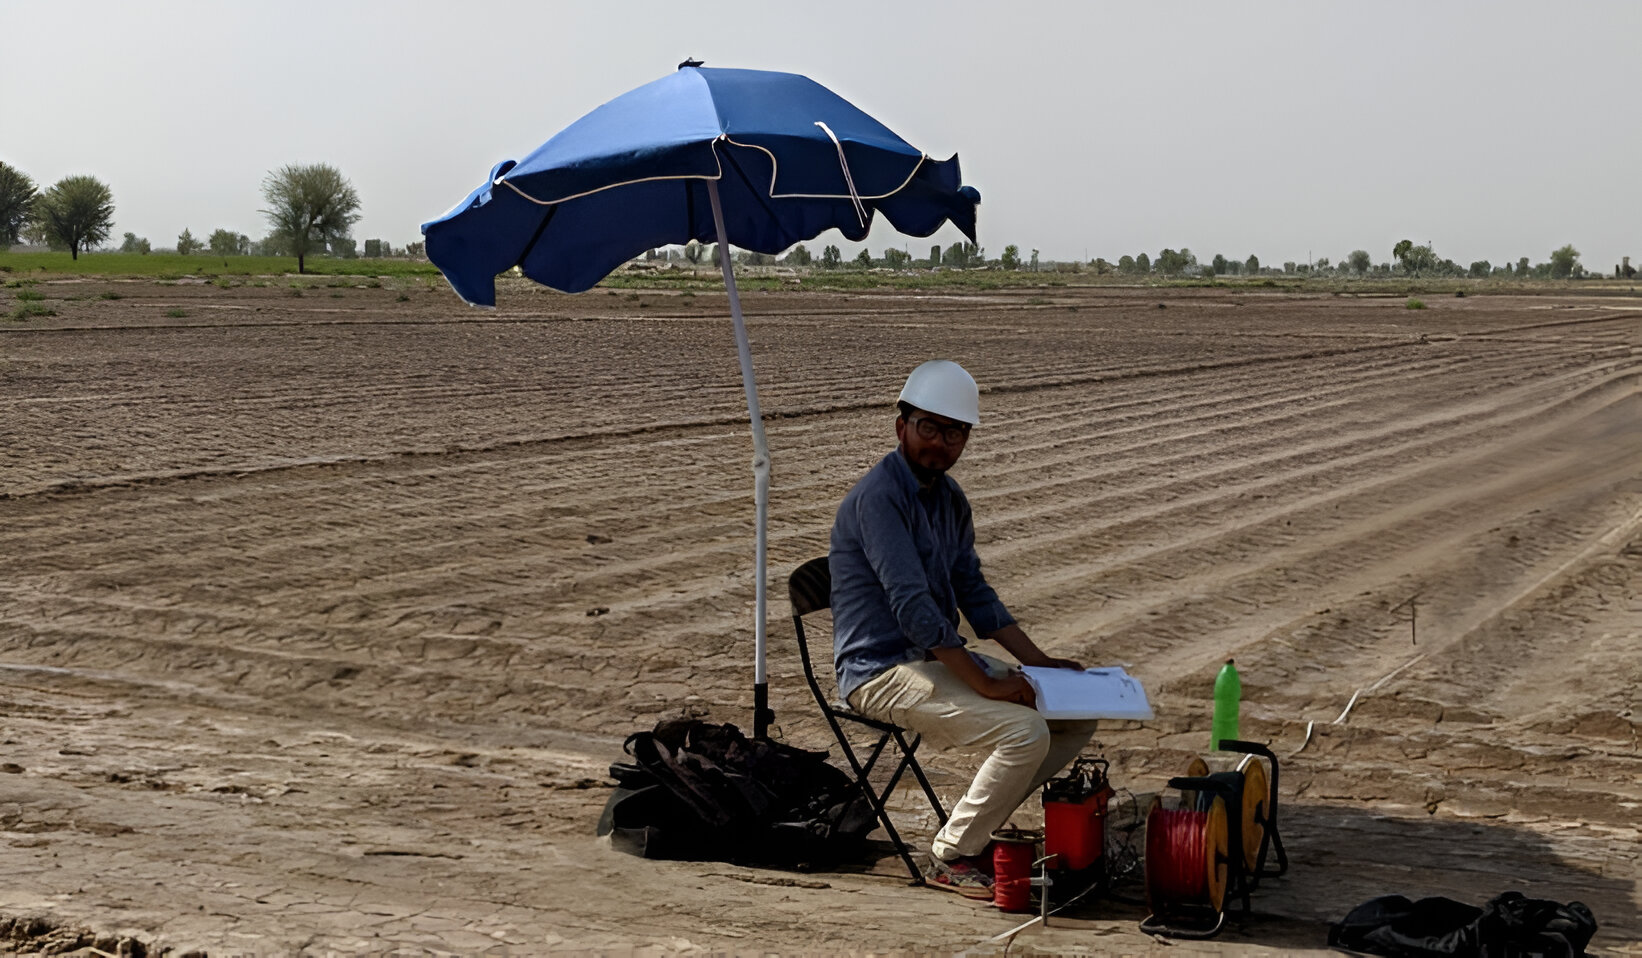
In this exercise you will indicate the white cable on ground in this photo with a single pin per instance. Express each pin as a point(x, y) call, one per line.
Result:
point(1311, 726)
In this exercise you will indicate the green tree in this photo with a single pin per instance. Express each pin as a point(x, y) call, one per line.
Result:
point(963, 256)
point(1126, 264)
point(1416, 259)
point(135, 244)
point(1482, 269)
point(229, 243)
point(1360, 261)
point(798, 256)
point(373, 249)
point(1033, 263)
point(934, 256)
point(187, 244)
point(1143, 263)
point(17, 193)
point(1011, 258)
point(897, 258)
point(1251, 266)
point(1522, 268)
point(77, 213)
point(312, 207)
point(1171, 263)
point(864, 259)
point(1564, 261)
point(830, 257)
point(1218, 264)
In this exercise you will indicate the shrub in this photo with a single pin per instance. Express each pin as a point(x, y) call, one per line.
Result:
point(1415, 303)
point(176, 313)
point(28, 309)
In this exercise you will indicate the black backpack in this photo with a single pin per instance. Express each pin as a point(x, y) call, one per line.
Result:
point(1509, 926)
point(703, 792)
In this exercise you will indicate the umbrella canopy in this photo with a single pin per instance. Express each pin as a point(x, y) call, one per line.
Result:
point(751, 158)
point(790, 158)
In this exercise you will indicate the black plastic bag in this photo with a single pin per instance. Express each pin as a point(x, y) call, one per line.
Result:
point(707, 792)
point(1509, 926)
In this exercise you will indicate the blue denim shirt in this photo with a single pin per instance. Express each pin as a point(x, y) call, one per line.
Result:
point(903, 563)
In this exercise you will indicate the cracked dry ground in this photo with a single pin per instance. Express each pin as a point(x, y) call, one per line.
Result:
point(321, 617)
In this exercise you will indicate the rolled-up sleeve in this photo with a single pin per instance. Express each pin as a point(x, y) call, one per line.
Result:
point(893, 554)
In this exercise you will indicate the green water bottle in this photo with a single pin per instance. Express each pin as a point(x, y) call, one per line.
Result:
point(1228, 692)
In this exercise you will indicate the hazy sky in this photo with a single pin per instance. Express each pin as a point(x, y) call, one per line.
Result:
point(1493, 130)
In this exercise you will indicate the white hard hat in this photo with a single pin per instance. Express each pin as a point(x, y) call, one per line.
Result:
point(942, 387)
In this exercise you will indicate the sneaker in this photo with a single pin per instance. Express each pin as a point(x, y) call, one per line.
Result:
point(968, 877)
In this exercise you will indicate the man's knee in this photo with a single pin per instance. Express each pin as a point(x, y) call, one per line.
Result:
point(1069, 730)
point(1028, 735)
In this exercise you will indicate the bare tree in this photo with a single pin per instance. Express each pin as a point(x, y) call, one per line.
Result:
point(309, 208)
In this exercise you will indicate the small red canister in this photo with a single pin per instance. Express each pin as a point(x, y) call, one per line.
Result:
point(1013, 852)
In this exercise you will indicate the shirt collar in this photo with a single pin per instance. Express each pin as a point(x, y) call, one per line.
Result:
point(904, 475)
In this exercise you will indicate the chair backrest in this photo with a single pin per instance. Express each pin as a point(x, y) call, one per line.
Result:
point(810, 587)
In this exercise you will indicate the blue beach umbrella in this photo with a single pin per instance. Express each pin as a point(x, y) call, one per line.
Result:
point(750, 158)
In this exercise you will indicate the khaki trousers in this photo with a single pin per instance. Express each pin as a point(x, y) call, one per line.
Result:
point(1026, 750)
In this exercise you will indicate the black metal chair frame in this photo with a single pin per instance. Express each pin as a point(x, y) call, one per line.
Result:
point(810, 589)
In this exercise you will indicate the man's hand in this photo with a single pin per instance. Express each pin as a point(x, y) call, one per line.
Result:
point(1013, 688)
point(1026, 652)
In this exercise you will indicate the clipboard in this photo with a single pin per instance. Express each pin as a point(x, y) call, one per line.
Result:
point(1108, 693)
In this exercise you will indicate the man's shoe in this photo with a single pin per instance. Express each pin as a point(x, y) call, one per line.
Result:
point(967, 876)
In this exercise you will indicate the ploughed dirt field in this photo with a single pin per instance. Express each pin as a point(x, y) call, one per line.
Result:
point(322, 616)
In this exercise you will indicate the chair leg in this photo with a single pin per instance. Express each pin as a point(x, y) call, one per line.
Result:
point(918, 773)
point(877, 751)
point(873, 798)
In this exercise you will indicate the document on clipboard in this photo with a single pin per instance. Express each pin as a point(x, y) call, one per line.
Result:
point(1109, 693)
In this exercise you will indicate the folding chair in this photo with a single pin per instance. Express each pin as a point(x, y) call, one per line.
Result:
point(810, 588)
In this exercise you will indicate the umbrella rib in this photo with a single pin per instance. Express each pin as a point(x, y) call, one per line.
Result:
point(774, 165)
point(763, 201)
point(540, 227)
point(643, 179)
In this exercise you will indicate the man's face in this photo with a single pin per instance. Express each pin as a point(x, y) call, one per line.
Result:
point(931, 442)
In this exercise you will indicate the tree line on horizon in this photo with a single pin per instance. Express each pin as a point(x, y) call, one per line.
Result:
point(311, 212)
point(1408, 260)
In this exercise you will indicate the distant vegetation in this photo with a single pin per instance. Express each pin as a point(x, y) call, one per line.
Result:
point(311, 211)
point(173, 266)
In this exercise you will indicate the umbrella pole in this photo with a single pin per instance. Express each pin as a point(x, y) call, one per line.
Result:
point(761, 473)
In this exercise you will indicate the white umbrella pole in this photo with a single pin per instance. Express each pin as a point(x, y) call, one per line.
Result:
point(761, 472)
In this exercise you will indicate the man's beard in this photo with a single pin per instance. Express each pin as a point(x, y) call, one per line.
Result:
point(924, 474)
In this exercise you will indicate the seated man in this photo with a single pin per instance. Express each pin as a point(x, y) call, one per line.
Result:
point(903, 564)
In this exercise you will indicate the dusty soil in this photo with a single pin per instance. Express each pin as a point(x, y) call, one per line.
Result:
point(321, 616)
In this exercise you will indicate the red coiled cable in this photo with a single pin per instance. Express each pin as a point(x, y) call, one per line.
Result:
point(1176, 869)
point(1012, 871)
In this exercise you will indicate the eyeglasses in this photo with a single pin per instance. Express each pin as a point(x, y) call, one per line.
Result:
point(953, 435)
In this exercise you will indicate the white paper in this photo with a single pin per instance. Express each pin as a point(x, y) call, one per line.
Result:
point(1091, 694)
